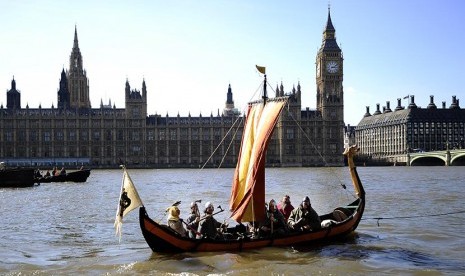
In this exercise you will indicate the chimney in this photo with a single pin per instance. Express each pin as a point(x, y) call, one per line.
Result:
point(399, 104)
point(454, 103)
point(377, 110)
point(412, 102)
point(388, 107)
point(367, 114)
point(431, 103)
point(443, 105)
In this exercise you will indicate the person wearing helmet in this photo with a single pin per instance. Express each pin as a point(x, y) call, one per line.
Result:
point(274, 224)
point(175, 222)
point(208, 227)
point(193, 220)
point(304, 218)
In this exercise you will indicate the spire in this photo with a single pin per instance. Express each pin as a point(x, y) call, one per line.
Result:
point(144, 89)
point(329, 36)
point(127, 88)
point(76, 44)
point(229, 96)
point(13, 84)
point(329, 23)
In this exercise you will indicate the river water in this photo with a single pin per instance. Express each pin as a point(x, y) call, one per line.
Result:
point(67, 228)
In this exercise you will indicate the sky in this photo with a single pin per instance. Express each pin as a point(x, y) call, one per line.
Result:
point(188, 52)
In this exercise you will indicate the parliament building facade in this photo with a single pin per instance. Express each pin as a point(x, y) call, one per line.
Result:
point(74, 134)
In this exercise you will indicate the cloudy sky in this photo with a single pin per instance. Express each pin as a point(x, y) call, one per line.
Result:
point(188, 52)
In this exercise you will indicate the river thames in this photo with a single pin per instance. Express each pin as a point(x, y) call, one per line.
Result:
point(67, 228)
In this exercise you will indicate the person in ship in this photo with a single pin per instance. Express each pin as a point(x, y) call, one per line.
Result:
point(175, 222)
point(304, 218)
point(275, 223)
point(209, 227)
point(285, 207)
point(193, 220)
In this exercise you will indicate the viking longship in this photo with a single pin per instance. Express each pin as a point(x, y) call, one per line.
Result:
point(247, 199)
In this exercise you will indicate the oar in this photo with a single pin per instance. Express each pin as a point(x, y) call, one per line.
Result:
point(219, 207)
point(190, 227)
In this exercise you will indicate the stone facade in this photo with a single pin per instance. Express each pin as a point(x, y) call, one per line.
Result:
point(389, 132)
point(74, 134)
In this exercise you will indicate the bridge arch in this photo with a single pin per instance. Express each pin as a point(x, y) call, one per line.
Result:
point(458, 160)
point(425, 160)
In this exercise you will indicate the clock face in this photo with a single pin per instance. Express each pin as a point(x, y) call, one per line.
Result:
point(332, 66)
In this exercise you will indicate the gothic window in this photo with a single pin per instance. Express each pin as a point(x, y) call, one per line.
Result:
point(206, 134)
point(184, 134)
point(206, 148)
point(120, 135)
point(108, 135)
point(195, 150)
point(173, 135)
point(135, 112)
point(173, 151)
point(161, 134)
point(58, 135)
point(289, 133)
point(333, 148)
point(195, 134)
point(135, 136)
point(72, 135)
point(84, 135)
point(22, 136)
point(136, 150)
point(217, 134)
point(47, 136)
point(33, 135)
point(150, 135)
point(9, 136)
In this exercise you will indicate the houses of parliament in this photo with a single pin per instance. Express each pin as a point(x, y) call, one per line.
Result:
point(74, 134)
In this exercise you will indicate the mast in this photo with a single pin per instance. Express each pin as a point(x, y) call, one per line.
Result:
point(265, 97)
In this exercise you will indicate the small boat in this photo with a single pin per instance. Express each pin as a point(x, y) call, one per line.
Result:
point(247, 201)
point(75, 176)
point(16, 177)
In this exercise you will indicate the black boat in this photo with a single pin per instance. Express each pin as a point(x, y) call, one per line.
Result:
point(76, 176)
point(16, 177)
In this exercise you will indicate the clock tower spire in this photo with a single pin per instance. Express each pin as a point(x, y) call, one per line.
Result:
point(330, 95)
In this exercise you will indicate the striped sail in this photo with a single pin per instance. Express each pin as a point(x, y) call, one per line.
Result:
point(247, 201)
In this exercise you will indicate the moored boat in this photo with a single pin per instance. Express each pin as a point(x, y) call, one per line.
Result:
point(247, 199)
point(16, 177)
point(75, 176)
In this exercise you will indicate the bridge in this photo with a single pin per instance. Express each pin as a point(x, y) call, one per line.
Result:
point(444, 157)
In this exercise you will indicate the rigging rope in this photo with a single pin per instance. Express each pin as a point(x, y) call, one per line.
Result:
point(241, 118)
point(416, 216)
point(317, 151)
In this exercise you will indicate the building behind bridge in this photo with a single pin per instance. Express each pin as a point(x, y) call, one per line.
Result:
point(388, 133)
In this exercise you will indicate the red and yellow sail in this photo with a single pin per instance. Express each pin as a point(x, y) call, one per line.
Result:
point(247, 201)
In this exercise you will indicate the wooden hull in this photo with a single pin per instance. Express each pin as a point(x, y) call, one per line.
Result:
point(162, 239)
point(76, 176)
point(17, 177)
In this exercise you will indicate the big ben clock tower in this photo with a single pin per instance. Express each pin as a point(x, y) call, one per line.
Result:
point(330, 95)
